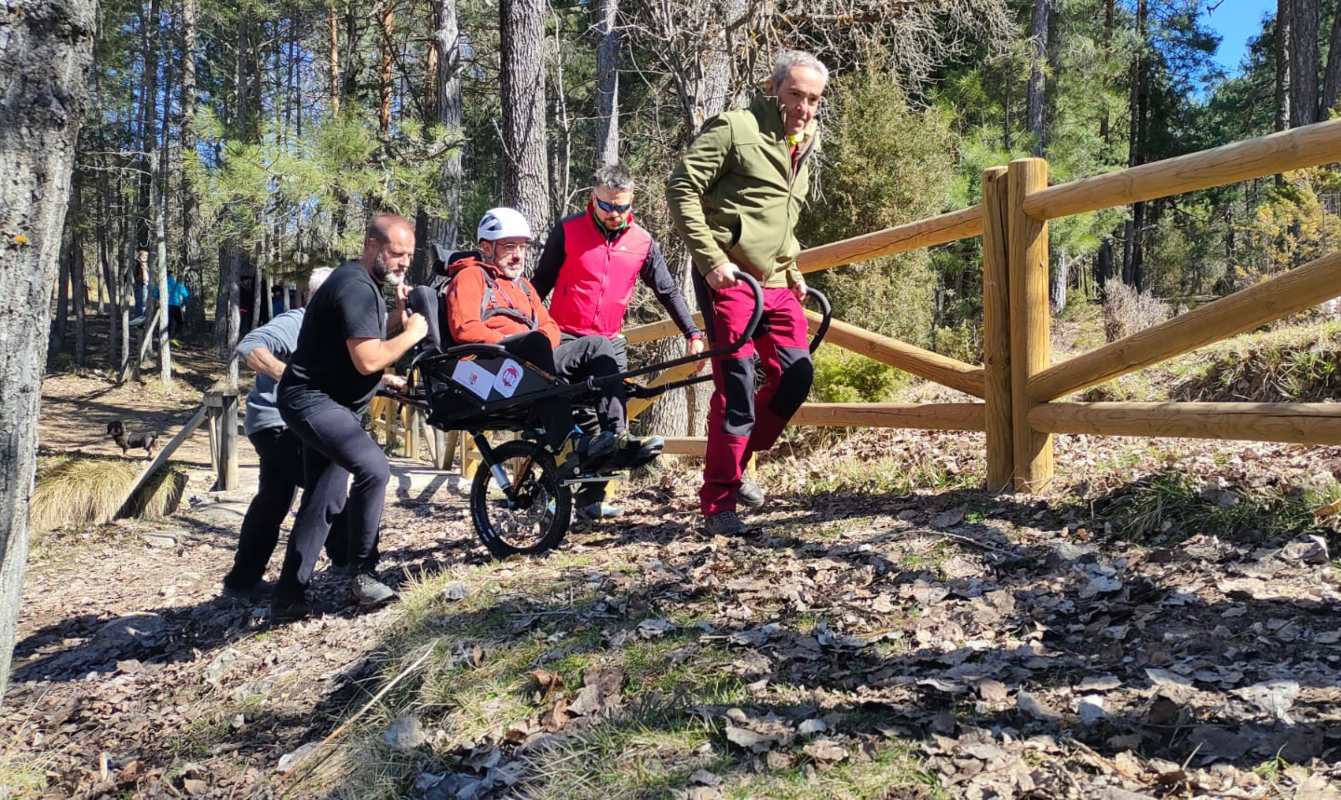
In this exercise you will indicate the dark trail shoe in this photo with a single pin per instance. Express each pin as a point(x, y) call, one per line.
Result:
point(366, 590)
point(288, 607)
point(725, 523)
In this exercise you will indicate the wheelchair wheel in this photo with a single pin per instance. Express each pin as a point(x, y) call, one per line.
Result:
point(534, 516)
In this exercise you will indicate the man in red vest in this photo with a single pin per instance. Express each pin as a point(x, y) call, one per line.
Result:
point(592, 262)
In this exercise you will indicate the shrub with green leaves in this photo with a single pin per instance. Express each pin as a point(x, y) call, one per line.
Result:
point(845, 377)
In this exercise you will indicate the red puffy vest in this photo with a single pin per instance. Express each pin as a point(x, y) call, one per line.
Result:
point(598, 276)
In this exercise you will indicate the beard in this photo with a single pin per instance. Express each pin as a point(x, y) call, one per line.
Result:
point(383, 274)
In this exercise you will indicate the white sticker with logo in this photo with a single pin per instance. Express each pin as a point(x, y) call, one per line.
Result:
point(508, 378)
point(474, 377)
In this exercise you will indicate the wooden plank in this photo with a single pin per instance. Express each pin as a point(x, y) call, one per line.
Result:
point(1307, 146)
point(1301, 288)
point(910, 358)
point(996, 329)
point(652, 331)
point(927, 416)
point(1030, 321)
point(162, 457)
point(638, 405)
point(928, 232)
point(1301, 423)
point(686, 446)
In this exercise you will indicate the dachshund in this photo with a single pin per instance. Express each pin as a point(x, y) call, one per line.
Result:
point(128, 440)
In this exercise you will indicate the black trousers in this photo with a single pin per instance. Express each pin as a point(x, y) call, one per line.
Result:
point(602, 361)
point(281, 456)
point(336, 449)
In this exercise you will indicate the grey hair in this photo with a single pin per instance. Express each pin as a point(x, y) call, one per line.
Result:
point(789, 60)
point(613, 176)
point(318, 277)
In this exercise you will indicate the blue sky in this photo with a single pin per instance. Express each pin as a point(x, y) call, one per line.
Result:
point(1237, 21)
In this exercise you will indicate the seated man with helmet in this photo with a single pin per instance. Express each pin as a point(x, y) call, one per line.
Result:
point(489, 301)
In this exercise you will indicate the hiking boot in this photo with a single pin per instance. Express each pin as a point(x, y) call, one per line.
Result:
point(288, 606)
point(598, 511)
point(750, 495)
point(580, 450)
point(366, 590)
point(636, 451)
point(725, 523)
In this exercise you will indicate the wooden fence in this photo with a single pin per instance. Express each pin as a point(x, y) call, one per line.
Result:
point(1019, 385)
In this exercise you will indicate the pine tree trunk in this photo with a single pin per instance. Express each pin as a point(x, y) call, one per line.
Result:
point(191, 261)
point(607, 81)
point(388, 18)
point(1304, 63)
point(1332, 81)
point(78, 280)
point(1105, 125)
point(333, 56)
point(1038, 37)
point(149, 128)
point(522, 79)
point(43, 86)
point(447, 105)
point(1284, 47)
point(1140, 95)
point(56, 342)
point(227, 315)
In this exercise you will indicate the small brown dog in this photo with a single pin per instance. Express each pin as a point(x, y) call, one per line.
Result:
point(128, 440)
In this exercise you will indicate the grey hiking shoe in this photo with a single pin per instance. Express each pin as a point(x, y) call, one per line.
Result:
point(750, 495)
point(725, 523)
point(580, 450)
point(366, 590)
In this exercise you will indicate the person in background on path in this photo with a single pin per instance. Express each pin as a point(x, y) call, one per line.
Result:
point(735, 197)
point(343, 349)
point(140, 279)
point(267, 351)
point(178, 293)
point(592, 262)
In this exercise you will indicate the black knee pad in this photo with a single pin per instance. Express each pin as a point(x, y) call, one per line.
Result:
point(739, 387)
point(798, 372)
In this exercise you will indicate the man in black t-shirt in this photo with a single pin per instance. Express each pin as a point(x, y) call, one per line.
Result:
point(342, 350)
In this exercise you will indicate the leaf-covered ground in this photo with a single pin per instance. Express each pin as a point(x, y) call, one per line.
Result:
point(1162, 625)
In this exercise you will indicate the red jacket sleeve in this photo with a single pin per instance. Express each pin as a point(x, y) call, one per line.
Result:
point(463, 309)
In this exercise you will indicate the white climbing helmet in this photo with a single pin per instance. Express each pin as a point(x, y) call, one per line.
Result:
point(503, 223)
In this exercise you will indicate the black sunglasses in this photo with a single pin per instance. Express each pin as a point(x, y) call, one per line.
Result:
point(611, 207)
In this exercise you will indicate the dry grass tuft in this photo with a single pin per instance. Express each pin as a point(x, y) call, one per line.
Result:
point(86, 490)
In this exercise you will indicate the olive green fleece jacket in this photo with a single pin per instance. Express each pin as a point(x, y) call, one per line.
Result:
point(734, 197)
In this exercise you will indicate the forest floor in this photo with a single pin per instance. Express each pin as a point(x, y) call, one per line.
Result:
point(1162, 624)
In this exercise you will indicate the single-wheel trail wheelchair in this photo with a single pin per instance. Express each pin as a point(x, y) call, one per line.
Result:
point(519, 502)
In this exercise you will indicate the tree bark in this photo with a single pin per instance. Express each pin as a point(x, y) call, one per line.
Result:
point(388, 19)
point(44, 61)
point(1304, 63)
point(78, 280)
point(447, 106)
point(522, 52)
point(149, 128)
point(1332, 81)
point(607, 82)
point(333, 56)
point(191, 262)
point(1105, 125)
point(1036, 100)
point(56, 342)
point(1284, 47)
point(1140, 100)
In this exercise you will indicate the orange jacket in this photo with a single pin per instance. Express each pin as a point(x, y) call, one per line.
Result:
point(485, 306)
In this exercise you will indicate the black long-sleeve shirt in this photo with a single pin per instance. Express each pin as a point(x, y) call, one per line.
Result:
point(654, 274)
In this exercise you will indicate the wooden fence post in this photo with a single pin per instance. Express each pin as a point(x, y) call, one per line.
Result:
point(228, 478)
point(1030, 321)
point(996, 329)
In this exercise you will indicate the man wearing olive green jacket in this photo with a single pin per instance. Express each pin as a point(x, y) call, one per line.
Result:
point(735, 197)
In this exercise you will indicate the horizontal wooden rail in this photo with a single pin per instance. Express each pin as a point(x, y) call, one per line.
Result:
point(927, 416)
point(910, 358)
point(1301, 423)
point(653, 331)
point(1296, 290)
point(1307, 146)
point(638, 405)
point(686, 446)
point(929, 232)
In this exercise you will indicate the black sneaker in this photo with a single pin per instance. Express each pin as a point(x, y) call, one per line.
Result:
point(725, 523)
point(365, 590)
point(750, 495)
point(286, 606)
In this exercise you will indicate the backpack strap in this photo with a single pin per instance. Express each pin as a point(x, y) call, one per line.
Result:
point(488, 310)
